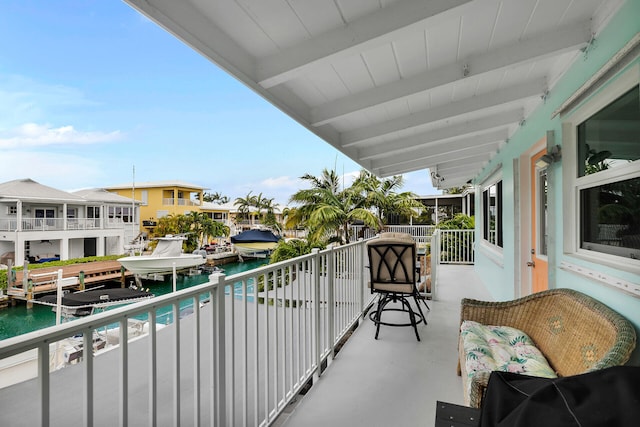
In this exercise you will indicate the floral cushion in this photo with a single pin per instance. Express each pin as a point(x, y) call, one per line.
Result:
point(501, 348)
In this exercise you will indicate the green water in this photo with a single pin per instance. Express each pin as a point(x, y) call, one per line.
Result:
point(19, 320)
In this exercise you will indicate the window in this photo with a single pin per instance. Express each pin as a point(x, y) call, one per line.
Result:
point(46, 214)
point(492, 214)
point(12, 210)
point(120, 214)
point(610, 205)
point(145, 197)
point(604, 174)
point(93, 212)
point(542, 204)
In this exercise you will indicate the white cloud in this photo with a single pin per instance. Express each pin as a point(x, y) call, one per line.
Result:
point(280, 182)
point(59, 171)
point(37, 135)
point(27, 100)
point(348, 178)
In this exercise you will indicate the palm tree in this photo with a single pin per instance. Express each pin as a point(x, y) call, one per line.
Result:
point(327, 211)
point(328, 179)
point(215, 197)
point(244, 204)
point(269, 217)
point(197, 226)
point(382, 196)
point(210, 228)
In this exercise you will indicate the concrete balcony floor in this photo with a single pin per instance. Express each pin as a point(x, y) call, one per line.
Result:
point(395, 380)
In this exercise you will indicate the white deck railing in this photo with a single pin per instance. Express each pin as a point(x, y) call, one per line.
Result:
point(57, 224)
point(456, 246)
point(252, 341)
point(245, 355)
point(421, 233)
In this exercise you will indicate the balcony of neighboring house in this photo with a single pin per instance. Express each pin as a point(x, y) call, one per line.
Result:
point(169, 201)
point(54, 224)
point(243, 349)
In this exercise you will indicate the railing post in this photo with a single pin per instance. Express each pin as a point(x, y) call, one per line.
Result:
point(44, 383)
point(87, 356)
point(218, 352)
point(331, 305)
point(316, 311)
point(435, 261)
point(363, 277)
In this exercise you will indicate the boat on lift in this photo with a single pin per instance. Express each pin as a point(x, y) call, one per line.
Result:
point(167, 255)
point(257, 243)
point(85, 303)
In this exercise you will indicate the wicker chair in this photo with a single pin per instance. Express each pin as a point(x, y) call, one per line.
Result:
point(575, 332)
point(393, 269)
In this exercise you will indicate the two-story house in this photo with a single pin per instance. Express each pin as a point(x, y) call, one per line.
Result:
point(38, 222)
point(161, 198)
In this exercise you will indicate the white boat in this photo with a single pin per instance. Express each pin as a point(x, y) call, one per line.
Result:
point(165, 256)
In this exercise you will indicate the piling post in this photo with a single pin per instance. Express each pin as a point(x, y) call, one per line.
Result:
point(29, 292)
point(123, 279)
point(81, 279)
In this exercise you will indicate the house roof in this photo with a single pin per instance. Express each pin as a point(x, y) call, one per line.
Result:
point(30, 190)
point(396, 85)
point(156, 184)
point(102, 195)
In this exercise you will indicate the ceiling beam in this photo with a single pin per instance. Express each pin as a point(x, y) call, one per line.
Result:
point(463, 147)
point(467, 166)
point(568, 38)
point(457, 166)
point(432, 137)
point(506, 95)
point(363, 33)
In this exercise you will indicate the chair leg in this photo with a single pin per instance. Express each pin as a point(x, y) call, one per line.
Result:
point(412, 316)
point(423, 299)
point(424, 319)
point(382, 302)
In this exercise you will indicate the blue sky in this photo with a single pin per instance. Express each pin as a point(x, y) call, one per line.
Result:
point(90, 89)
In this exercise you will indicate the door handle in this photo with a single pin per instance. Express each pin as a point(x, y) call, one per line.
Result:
point(531, 264)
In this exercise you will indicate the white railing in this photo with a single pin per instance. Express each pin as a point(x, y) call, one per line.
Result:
point(170, 201)
point(421, 233)
point(56, 224)
point(83, 223)
point(34, 224)
point(456, 246)
point(237, 360)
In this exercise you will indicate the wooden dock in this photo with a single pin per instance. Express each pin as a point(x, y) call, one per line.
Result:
point(75, 276)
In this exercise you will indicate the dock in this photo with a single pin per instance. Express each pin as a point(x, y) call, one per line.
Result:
point(222, 258)
point(75, 277)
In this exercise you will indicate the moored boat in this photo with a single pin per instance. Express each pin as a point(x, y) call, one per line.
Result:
point(255, 243)
point(166, 256)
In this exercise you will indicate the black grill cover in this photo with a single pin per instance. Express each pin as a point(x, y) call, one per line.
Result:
point(609, 397)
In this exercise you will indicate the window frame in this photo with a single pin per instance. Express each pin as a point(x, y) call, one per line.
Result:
point(494, 180)
point(574, 184)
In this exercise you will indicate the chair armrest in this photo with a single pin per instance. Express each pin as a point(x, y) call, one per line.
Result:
point(505, 313)
point(479, 383)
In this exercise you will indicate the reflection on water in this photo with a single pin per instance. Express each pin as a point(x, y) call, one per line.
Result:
point(19, 320)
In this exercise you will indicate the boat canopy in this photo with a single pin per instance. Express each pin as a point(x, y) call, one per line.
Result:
point(168, 246)
point(97, 298)
point(252, 236)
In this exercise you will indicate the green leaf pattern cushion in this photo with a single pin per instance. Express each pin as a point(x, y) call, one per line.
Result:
point(501, 348)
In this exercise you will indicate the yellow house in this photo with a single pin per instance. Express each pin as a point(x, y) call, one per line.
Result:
point(161, 198)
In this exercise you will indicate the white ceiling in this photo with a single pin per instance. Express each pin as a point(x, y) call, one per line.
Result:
point(396, 85)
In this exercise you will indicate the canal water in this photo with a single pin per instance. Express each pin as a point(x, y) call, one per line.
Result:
point(19, 320)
